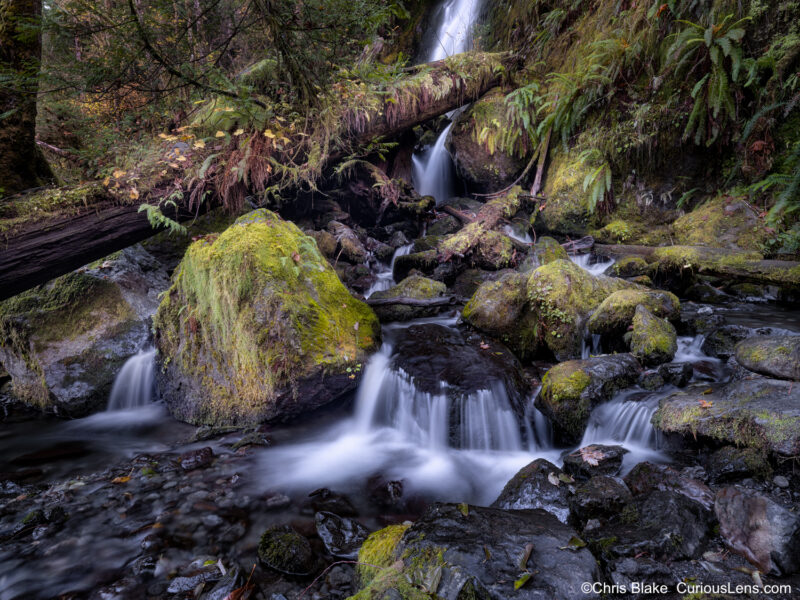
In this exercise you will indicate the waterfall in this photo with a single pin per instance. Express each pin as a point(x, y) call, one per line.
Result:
point(133, 387)
point(433, 169)
point(596, 265)
point(384, 278)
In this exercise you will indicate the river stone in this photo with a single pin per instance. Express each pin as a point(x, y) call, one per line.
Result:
point(654, 340)
point(764, 532)
point(730, 464)
point(258, 327)
point(616, 313)
point(64, 342)
point(474, 552)
point(539, 484)
point(349, 245)
point(594, 459)
point(416, 287)
point(598, 498)
point(341, 536)
point(722, 342)
point(571, 389)
point(758, 413)
point(773, 356)
point(628, 266)
point(501, 309)
point(546, 250)
point(562, 295)
point(647, 477)
point(678, 374)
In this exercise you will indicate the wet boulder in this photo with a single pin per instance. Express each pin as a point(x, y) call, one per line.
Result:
point(377, 554)
point(326, 242)
point(763, 531)
point(546, 250)
point(593, 460)
point(257, 327)
point(501, 309)
point(677, 373)
point(654, 340)
point(539, 484)
point(773, 356)
point(647, 477)
point(566, 211)
point(348, 244)
point(628, 266)
point(562, 295)
point(615, 314)
point(731, 464)
point(758, 413)
point(414, 287)
point(63, 342)
point(459, 551)
point(424, 262)
point(283, 549)
point(342, 537)
point(599, 498)
point(571, 389)
point(721, 343)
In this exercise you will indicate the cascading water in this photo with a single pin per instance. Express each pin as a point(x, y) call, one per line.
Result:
point(596, 265)
point(384, 274)
point(133, 387)
point(433, 168)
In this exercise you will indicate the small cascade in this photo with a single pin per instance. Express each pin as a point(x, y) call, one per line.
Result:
point(133, 387)
point(434, 171)
point(538, 428)
point(591, 346)
point(384, 274)
point(518, 234)
point(596, 265)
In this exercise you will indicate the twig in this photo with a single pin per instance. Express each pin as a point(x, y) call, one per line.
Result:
point(329, 567)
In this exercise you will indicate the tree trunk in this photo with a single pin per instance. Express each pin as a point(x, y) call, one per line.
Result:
point(22, 165)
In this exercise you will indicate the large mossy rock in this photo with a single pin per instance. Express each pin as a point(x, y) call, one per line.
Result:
point(501, 309)
point(484, 167)
point(721, 223)
point(758, 413)
point(257, 327)
point(64, 342)
point(654, 340)
point(456, 552)
point(773, 356)
point(571, 389)
point(546, 250)
point(566, 210)
point(562, 295)
point(615, 313)
point(415, 287)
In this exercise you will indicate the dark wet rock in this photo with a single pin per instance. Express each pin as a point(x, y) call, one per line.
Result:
point(654, 340)
point(701, 321)
point(540, 484)
point(598, 498)
point(705, 292)
point(628, 266)
point(460, 551)
point(383, 252)
point(326, 242)
point(224, 588)
point(341, 536)
point(773, 356)
point(444, 225)
point(188, 583)
point(665, 525)
point(571, 389)
point(349, 246)
point(616, 313)
point(464, 361)
point(722, 342)
point(647, 477)
point(764, 532)
point(424, 262)
point(501, 309)
point(325, 500)
point(593, 460)
point(283, 549)
point(731, 464)
point(383, 493)
point(677, 374)
point(397, 239)
point(546, 250)
point(196, 459)
point(416, 287)
point(758, 413)
point(651, 380)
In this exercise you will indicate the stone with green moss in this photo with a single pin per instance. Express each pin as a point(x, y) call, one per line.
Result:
point(547, 250)
point(628, 266)
point(562, 296)
point(283, 549)
point(415, 287)
point(501, 309)
point(654, 340)
point(257, 327)
point(566, 211)
point(723, 223)
point(571, 389)
point(378, 552)
point(615, 314)
point(773, 356)
point(757, 413)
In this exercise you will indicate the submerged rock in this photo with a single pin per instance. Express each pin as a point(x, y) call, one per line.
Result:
point(416, 287)
point(540, 484)
point(758, 413)
point(571, 389)
point(257, 327)
point(773, 356)
point(654, 341)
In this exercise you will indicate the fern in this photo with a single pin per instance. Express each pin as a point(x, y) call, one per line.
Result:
point(598, 182)
point(158, 220)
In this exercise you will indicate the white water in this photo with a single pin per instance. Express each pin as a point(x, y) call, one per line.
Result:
point(433, 170)
point(133, 387)
point(596, 265)
point(384, 273)
point(519, 234)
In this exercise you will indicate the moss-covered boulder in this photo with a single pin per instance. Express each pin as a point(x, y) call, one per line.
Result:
point(773, 356)
point(566, 210)
point(628, 266)
point(722, 223)
point(64, 342)
point(479, 159)
point(377, 552)
point(257, 327)
point(571, 389)
point(283, 549)
point(654, 340)
point(758, 413)
point(547, 250)
point(501, 309)
point(562, 295)
point(615, 313)
point(424, 262)
point(349, 245)
point(415, 287)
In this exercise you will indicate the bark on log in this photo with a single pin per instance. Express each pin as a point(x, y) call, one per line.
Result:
point(38, 251)
point(443, 301)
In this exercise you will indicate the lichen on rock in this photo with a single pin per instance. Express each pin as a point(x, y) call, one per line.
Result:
point(654, 340)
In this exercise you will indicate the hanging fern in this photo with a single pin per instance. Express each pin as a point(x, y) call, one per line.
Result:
point(598, 182)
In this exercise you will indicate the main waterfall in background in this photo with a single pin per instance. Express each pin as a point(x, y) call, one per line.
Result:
point(434, 173)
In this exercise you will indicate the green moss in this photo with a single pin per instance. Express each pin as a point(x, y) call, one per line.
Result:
point(547, 250)
point(256, 308)
point(566, 211)
point(562, 391)
point(616, 312)
point(629, 266)
point(721, 222)
point(48, 202)
point(654, 340)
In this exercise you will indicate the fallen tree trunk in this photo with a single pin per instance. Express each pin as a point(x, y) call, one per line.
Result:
point(443, 301)
point(38, 250)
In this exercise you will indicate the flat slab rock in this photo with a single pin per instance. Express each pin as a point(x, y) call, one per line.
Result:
point(773, 356)
point(759, 413)
point(481, 552)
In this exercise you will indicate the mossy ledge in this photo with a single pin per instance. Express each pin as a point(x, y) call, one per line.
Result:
point(258, 327)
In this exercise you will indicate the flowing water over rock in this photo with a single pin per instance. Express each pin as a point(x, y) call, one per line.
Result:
point(133, 386)
point(383, 273)
point(596, 265)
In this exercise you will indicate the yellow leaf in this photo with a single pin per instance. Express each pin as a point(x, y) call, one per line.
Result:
point(285, 140)
point(199, 102)
point(134, 193)
point(268, 133)
point(163, 136)
point(106, 181)
point(174, 165)
point(125, 479)
point(181, 158)
point(199, 144)
point(118, 173)
point(219, 134)
point(239, 131)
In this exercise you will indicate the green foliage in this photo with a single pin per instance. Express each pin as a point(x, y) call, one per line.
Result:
point(598, 181)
